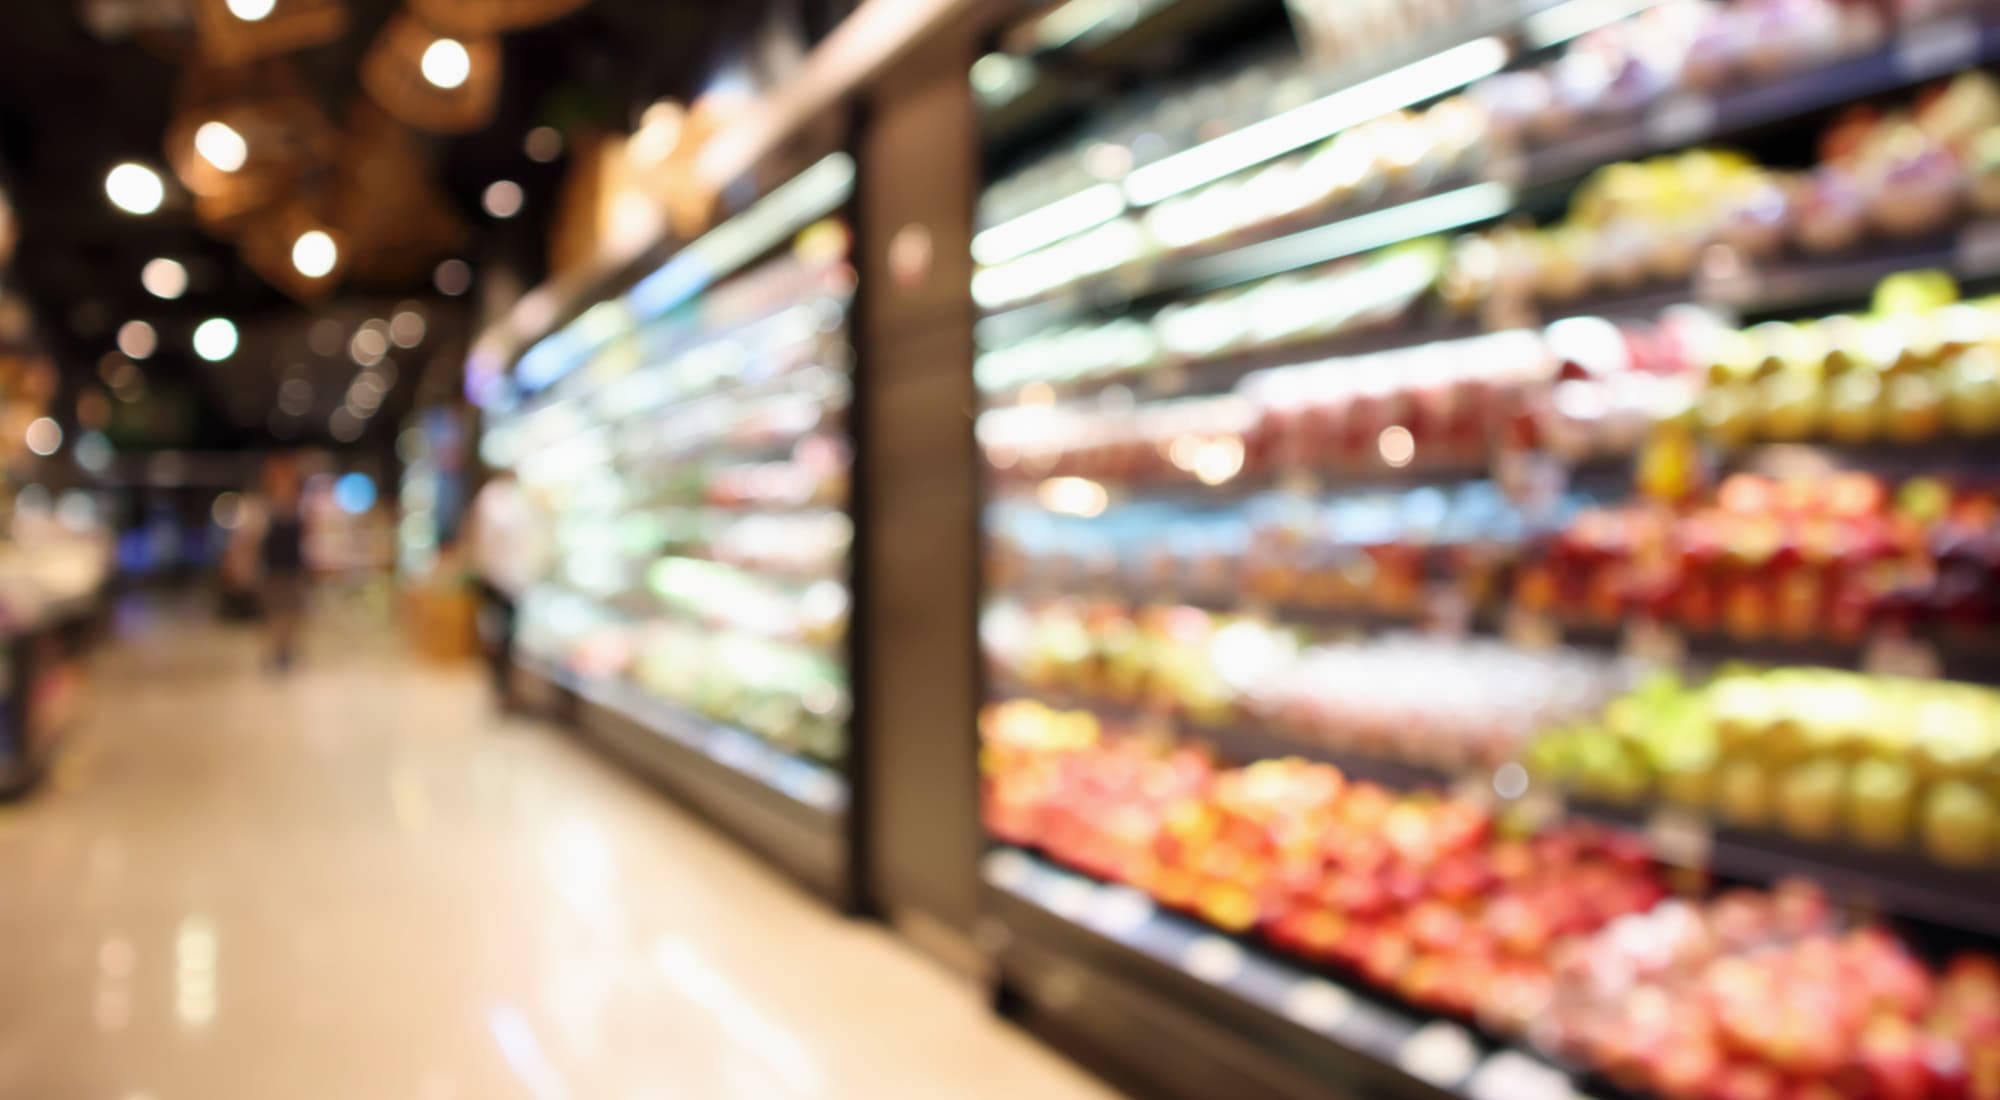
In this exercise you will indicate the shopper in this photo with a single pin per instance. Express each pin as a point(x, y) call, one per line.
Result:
point(502, 534)
point(284, 559)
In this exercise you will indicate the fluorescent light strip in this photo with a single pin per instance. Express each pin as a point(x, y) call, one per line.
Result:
point(805, 198)
point(1477, 203)
point(1301, 126)
point(1577, 17)
point(1075, 19)
point(1072, 214)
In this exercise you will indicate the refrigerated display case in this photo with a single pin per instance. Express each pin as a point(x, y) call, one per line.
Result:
point(1492, 545)
point(687, 441)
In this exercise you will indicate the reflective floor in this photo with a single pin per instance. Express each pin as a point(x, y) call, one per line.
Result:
point(355, 883)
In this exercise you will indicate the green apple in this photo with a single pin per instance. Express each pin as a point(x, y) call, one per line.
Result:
point(1881, 800)
point(1743, 793)
point(1959, 825)
point(1809, 798)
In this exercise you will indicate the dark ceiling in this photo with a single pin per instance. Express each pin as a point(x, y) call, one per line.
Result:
point(74, 103)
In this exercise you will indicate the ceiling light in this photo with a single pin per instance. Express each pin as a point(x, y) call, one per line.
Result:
point(219, 144)
point(543, 144)
point(314, 254)
point(44, 436)
point(135, 188)
point(407, 328)
point(452, 277)
point(164, 278)
point(1301, 126)
point(446, 64)
point(251, 11)
point(368, 347)
point(215, 339)
point(137, 339)
point(1065, 217)
point(503, 198)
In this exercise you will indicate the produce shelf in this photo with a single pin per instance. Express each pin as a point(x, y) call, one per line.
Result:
point(1898, 883)
point(1901, 884)
point(1198, 1014)
point(1911, 57)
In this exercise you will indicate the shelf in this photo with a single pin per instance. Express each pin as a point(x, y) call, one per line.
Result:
point(791, 810)
point(810, 784)
point(1914, 55)
point(1677, 121)
point(1904, 884)
point(1204, 1015)
point(1180, 376)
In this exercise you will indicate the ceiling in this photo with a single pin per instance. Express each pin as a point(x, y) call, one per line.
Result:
point(85, 84)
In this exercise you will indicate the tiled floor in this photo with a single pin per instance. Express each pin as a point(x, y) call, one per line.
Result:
point(353, 884)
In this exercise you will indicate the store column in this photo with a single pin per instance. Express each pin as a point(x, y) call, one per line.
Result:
point(918, 501)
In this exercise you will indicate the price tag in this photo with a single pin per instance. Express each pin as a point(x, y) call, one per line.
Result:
point(1890, 653)
point(1654, 643)
point(1321, 1006)
point(1680, 119)
point(1299, 483)
point(1120, 910)
point(1509, 1075)
point(1531, 629)
point(1978, 250)
point(1942, 45)
point(1440, 1053)
point(1070, 898)
point(1213, 960)
point(1009, 869)
point(1680, 838)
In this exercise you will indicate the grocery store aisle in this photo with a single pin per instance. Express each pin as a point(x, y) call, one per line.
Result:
point(355, 884)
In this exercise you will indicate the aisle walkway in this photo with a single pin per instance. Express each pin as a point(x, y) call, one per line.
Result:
point(354, 885)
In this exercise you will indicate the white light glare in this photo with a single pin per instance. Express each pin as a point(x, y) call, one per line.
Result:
point(219, 144)
point(314, 254)
point(44, 436)
point(503, 198)
point(1322, 118)
point(215, 339)
point(1073, 496)
point(134, 188)
point(164, 278)
point(446, 64)
point(1088, 208)
point(137, 340)
point(251, 11)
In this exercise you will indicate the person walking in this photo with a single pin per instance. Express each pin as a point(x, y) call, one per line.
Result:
point(283, 556)
point(503, 535)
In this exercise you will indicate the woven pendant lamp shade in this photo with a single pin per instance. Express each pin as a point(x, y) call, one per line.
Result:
point(386, 202)
point(266, 247)
point(291, 25)
point(393, 74)
point(286, 138)
point(475, 18)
